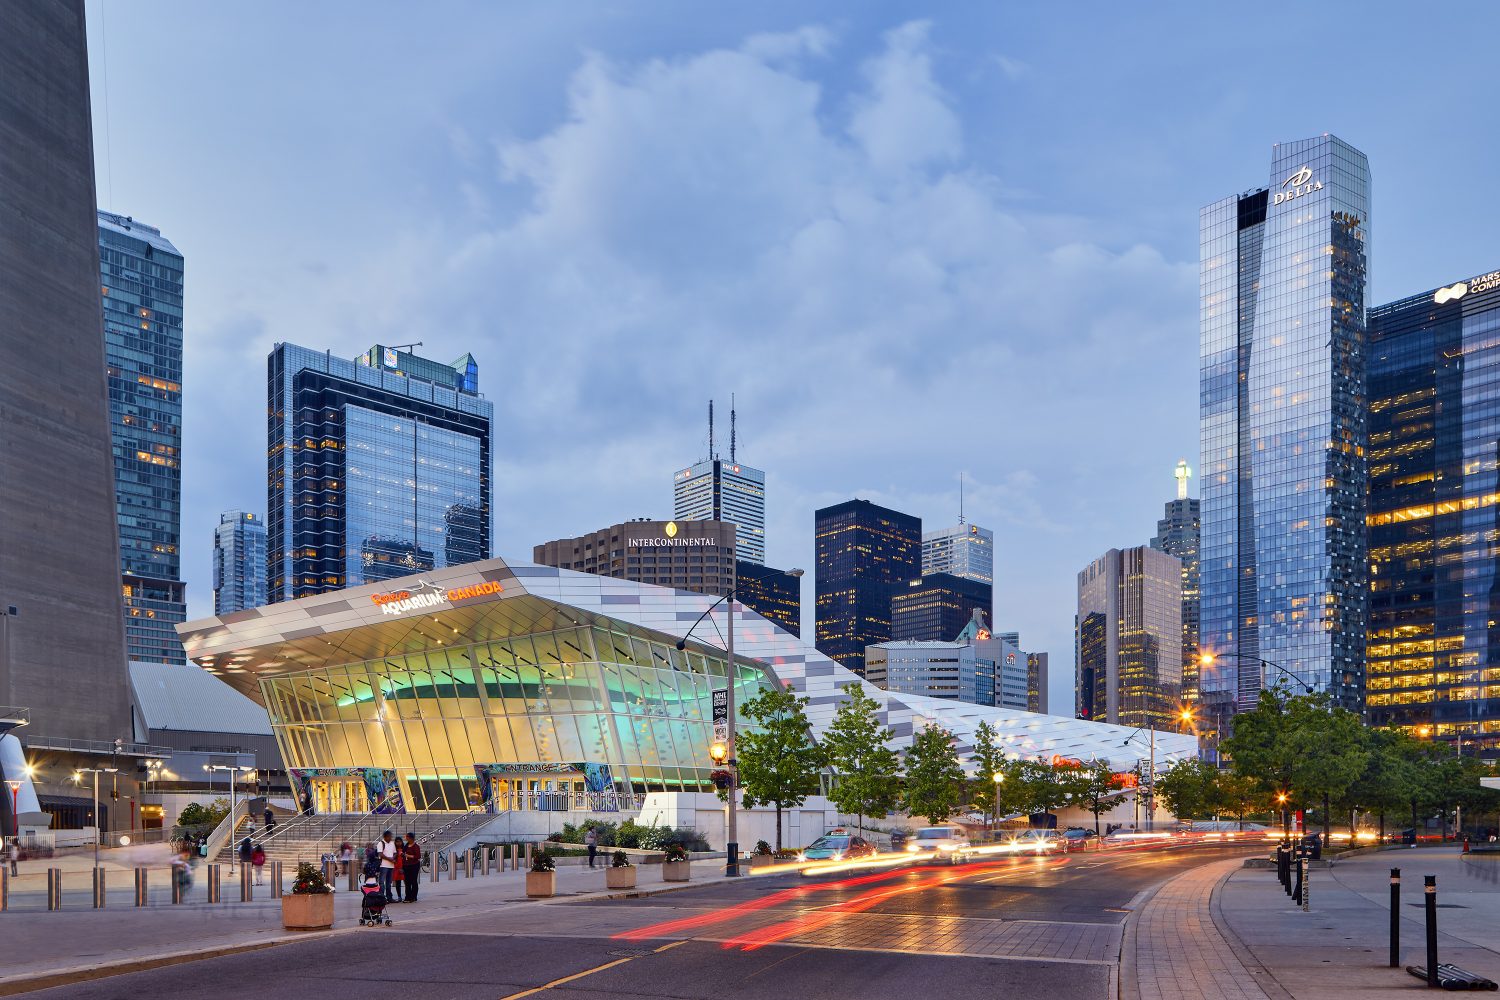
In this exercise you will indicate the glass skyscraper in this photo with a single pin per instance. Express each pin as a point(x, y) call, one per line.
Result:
point(937, 606)
point(1434, 516)
point(141, 282)
point(719, 490)
point(965, 550)
point(1282, 424)
point(239, 562)
point(1177, 534)
point(379, 468)
point(865, 554)
point(1129, 638)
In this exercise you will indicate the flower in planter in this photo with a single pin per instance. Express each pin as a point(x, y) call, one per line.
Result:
point(541, 861)
point(310, 880)
point(676, 852)
point(620, 860)
point(721, 778)
point(761, 847)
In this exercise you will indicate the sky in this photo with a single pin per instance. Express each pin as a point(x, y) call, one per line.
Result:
point(915, 242)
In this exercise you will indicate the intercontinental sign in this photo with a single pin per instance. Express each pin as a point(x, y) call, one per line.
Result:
point(669, 539)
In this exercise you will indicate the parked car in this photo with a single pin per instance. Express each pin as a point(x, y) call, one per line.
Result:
point(1079, 838)
point(837, 845)
point(940, 843)
point(1039, 842)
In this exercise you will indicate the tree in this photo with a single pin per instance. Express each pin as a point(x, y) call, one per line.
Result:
point(778, 761)
point(1390, 776)
point(196, 815)
point(1041, 791)
point(856, 746)
point(988, 761)
point(1239, 796)
point(934, 777)
point(1190, 789)
point(1090, 786)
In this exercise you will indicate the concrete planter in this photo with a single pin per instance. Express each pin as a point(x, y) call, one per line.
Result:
point(761, 861)
point(312, 911)
point(539, 885)
point(676, 871)
point(620, 878)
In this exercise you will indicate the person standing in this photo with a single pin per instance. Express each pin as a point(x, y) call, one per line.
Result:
point(13, 854)
point(398, 873)
point(270, 818)
point(258, 859)
point(411, 859)
point(245, 852)
point(346, 855)
point(591, 839)
point(387, 851)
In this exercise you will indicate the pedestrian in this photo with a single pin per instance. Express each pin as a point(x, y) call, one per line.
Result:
point(398, 874)
point(411, 859)
point(13, 854)
point(346, 856)
point(245, 851)
point(371, 867)
point(258, 859)
point(592, 840)
point(387, 850)
point(270, 818)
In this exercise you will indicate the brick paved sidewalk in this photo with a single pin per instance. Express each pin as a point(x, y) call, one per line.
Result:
point(1174, 951)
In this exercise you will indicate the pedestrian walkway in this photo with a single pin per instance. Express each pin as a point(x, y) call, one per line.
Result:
point(79, 937)
point(1174, 951)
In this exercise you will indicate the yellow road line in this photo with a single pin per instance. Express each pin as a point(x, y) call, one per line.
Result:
point(588, 972)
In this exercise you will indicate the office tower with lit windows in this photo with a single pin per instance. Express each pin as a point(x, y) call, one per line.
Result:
point(141, 281)
point(1129, 638)
point(716, 489)
point(964, 550)
point(1036, 682)
point(379, 468)
point(1177, 534)
point(864, 555)
point(1282, 574)
point(1434, 515)
point(62, 641)
point(937, 606)
point(239, 562)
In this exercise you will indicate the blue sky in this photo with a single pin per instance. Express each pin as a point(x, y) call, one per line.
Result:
point(913, 240)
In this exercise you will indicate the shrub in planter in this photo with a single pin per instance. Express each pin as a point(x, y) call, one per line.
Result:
point(621, 873)
point(541, 881)
point(309, 906)
point(762, 856)
point(675, 865)
point(761, 847)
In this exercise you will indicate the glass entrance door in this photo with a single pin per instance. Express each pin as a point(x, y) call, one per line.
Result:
point(339, 795)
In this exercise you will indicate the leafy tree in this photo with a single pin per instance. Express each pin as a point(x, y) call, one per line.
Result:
point(1190, 789)
point(857, 747)
point(778, 761)
point(1240, 797)
point(1013, 794)
point(1390, 777)
point(1090, 786)
point(934, 777)
point(196, 815)
point(1042, 791)
point(988, 761)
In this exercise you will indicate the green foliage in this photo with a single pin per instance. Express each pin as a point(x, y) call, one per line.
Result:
point(761, 847)
point(541, 861)
point(1088, 785)
point(199, 817)
point(620, 860)
point(1012, 795)
point(934, 777)
point(629, 834)
point(856, 747)
point(988, 761)
point(1190, 789)
point(676, 852)
point(1038, 788)
point(778, 760)
point(310, 880)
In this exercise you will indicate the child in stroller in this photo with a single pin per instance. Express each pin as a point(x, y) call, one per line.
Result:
point(372, 906)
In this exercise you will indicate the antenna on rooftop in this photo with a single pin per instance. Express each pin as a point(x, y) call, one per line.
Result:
point(960, 498)
point(711, 455)
point(731, 427)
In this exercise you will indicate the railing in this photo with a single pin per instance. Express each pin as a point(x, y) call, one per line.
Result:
point(97, 748)
point(224, 832)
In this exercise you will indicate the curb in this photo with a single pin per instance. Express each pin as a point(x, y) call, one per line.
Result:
point(1262, 976)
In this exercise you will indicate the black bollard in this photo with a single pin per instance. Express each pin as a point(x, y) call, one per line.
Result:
point(1395, 918)
point(1429, 894)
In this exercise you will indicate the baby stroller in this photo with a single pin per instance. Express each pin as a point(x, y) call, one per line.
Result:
point(372, 906)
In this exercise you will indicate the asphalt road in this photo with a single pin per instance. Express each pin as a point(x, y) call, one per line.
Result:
point(1013, 927)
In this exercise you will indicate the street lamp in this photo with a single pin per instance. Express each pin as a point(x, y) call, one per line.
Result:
point(1207, 660)
point(1151, 780)
point(1286, 832)
point(98, 826)
point(731, 822)
point(999, 780)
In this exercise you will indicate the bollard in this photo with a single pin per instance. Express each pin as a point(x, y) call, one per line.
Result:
point(176, 887)
point(432, 876)
point(353, 879)
point(488, 854)
point(1296, 889)
point(247, 885)
point(1306, 884)
point(276, 878)
point(99, 890)
point(54, 888)
point(467, 872)
point(515, 856)
point(142, 893)
point(528, 855)
point(331, 872)
point(1395, 918)
point(213, 883)
point(452, 867)
point(1429, 896)
point(4, 889)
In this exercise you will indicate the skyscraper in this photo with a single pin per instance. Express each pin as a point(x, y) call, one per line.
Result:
point(720, 490)
point(937, 606)
point(1129, 638)
point(141, 280)
point(1434, 516)
point(1282, 424)
point(1177, 534)
point(239, 562)
point(865, 553)
point(62, 637)
point(379, 468)
point(965, 550)
point(1036, 682)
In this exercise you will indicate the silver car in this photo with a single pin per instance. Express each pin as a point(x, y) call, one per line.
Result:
point(940, 843)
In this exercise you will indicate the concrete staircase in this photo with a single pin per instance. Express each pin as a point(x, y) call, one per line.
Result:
point(308, 838)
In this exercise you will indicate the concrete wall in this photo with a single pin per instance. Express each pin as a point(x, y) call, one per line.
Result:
point(63, 653)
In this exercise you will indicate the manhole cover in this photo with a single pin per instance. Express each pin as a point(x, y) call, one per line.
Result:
point(631, 953)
